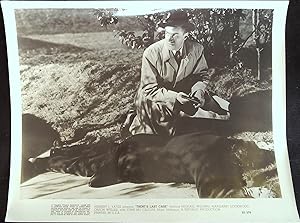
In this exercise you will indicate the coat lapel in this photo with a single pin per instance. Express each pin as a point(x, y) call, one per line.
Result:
point(181, 72)
point(169, 59)
point(173, 62)
point(184, 62)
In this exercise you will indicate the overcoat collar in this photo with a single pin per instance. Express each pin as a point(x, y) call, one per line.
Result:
point(167, 54)
point(168, 57)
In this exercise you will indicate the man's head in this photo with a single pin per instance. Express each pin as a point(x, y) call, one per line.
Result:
point(176, 27)
point(174, 37)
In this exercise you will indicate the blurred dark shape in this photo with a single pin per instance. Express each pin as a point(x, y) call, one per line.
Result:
point(251, 112)
point(37, 137)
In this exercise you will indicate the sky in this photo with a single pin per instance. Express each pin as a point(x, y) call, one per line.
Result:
point(140, 11)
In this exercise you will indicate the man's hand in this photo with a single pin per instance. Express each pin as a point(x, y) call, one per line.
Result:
point(200, 96)
point(185, 104)
point(182, 98)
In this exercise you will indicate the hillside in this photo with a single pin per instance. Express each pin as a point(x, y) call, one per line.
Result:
point(80, 86)
point(54, 21)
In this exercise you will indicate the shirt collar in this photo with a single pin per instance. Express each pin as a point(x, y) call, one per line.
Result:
point(166, 52)
point(180, 50)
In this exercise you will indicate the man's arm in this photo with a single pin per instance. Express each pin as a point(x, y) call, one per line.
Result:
point(199, 73)
point(150, 86)
point(200, 69)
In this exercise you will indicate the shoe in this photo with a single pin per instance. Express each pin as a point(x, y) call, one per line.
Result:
point(124, 129)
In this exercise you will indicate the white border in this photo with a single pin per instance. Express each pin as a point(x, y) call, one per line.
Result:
point(263, 210)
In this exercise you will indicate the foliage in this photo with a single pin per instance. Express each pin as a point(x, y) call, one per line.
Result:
point(262, 22)
point(263, 27)
point(106, 17)
point(218, 30)
point(131, 40)
point(149, 24)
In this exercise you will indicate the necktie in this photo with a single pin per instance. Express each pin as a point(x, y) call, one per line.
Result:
point(177, 57)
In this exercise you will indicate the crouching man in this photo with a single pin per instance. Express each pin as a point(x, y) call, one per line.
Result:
point(173, 81)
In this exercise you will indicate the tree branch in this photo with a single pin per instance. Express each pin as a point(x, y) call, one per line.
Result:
point(141, 22)
point(243, 44)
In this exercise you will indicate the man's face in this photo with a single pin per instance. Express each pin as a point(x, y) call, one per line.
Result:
point(174, 37)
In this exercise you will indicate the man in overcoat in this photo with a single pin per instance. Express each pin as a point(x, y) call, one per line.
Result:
point(173, 69)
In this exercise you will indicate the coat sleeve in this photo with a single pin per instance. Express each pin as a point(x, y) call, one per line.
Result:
point(198, 74)
point(150, 86)
point(200, 69)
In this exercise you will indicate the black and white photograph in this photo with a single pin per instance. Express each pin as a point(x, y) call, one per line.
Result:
point(167, 104)
point(144, 109)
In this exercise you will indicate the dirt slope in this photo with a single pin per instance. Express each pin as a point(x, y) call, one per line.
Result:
point(71, 86)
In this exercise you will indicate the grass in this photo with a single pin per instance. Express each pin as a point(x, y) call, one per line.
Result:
point(86, 79)
point(92, 41)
